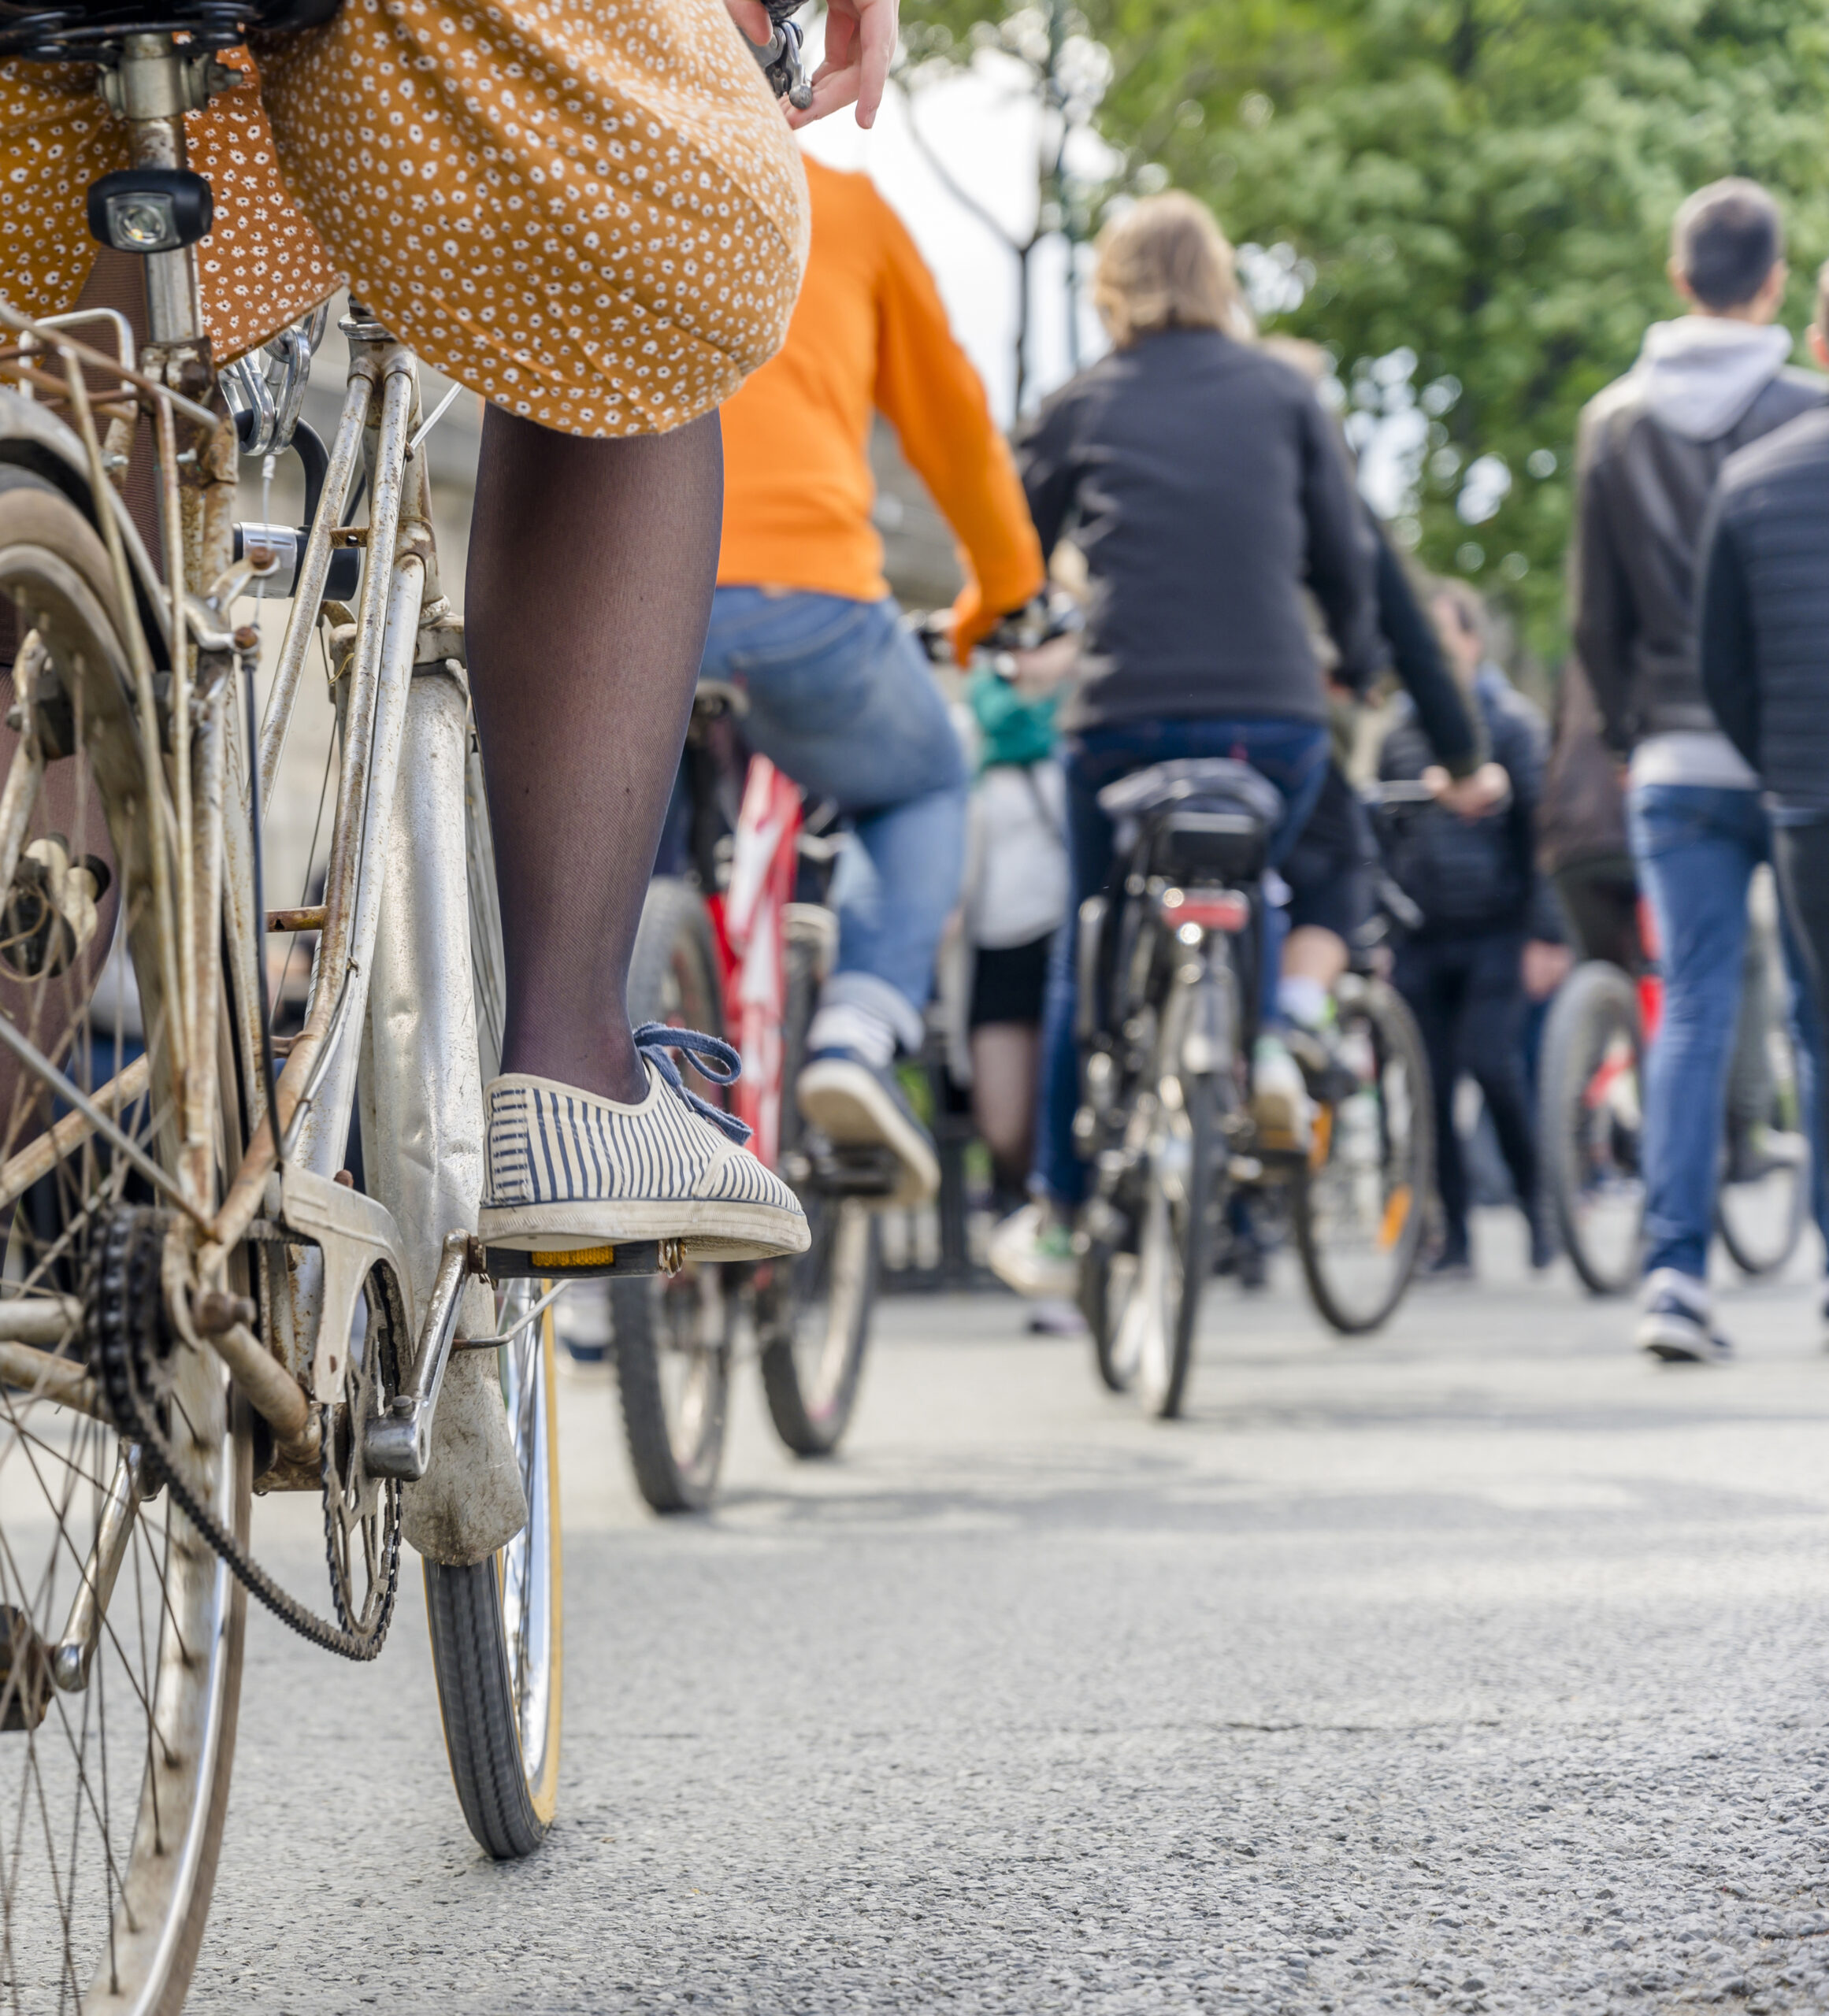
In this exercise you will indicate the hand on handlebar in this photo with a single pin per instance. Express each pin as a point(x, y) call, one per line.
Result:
point(1487, 790)
point(860, 45)
point(1041, 668)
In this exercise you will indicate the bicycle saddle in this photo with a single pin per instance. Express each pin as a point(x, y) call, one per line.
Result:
point(1195, 818)
point(89, 31)
point(1204, 783)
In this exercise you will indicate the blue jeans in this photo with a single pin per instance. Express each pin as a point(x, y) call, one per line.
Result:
point(1292, 754)
point(842, 699)
point(1697, 847)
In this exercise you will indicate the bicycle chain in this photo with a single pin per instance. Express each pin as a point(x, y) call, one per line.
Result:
point(127, 1351)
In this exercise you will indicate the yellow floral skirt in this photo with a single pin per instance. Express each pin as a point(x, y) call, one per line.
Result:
point(590, 211)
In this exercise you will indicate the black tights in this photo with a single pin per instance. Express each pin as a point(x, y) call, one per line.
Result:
point(589, 587)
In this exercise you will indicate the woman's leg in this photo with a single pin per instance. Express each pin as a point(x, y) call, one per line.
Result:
point(592, 564)
point(1006, 1056)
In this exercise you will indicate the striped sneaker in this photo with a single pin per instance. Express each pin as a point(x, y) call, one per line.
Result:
point(569, 1170)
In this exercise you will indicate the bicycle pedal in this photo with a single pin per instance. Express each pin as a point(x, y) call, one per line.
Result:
point(856, 1172)
point(631, 1256)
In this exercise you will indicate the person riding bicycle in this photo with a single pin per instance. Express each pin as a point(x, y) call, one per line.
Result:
point(841, 695)
point(1207, 491)
point(594, 216)
point(1650, 449)
point(1491, 927)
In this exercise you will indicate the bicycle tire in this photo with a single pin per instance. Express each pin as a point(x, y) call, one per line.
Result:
point(497, 1625)
point(1106, 1278)
point(156, 1821)
point(671, 1338)
point(1738, 1218)
point(1397, 1044)
point(1588, 1148)
point(814, 1312)
point(502, 1734)
point(1162, 1381)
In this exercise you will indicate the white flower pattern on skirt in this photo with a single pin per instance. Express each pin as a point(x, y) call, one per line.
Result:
point(589, 211)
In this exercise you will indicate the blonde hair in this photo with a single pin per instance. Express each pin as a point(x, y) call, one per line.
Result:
point(1164, 264)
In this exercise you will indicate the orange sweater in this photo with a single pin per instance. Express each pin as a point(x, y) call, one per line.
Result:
point(869, 332)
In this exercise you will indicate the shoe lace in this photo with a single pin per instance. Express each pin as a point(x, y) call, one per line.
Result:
point(713, 1057)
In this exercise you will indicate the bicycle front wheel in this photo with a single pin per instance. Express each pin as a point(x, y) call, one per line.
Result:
point(1359, 1202)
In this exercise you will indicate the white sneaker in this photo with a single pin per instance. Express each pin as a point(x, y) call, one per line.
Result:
point(1033, 1252)
point(1280, 1104)
point(569, 1172)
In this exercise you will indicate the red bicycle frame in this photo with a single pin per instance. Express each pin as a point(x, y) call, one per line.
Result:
point(748, 919)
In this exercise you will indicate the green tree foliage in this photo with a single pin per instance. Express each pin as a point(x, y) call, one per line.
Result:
point(1487, 184)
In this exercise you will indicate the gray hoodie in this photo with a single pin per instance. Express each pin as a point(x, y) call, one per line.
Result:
point(1650, 449)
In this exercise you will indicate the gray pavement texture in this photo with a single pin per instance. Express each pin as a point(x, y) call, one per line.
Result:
point(1477, 1666)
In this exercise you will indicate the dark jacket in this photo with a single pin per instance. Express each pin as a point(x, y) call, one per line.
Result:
point(1202, 480)
point(1765, 614)
point(1473, 875)
point(1642, 487)
point(1582, 817)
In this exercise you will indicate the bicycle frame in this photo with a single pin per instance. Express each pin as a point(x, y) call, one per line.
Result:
point(392, 999)
point(749, 922)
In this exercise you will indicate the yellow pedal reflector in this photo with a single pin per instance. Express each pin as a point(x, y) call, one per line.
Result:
point(1396, 1216)
point(583, 1256)
point(1323, 1137)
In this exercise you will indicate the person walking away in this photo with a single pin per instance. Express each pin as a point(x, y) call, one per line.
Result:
point(1209, 493)
point(1650, 449)
point(841, 695)
point(1764, 619)
point(1015, 897)
point(1489, 919)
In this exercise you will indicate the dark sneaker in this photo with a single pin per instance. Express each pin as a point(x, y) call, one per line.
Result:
point(1545, 1245)
point(1446, 1268)
point(1675, 1323)
point(856, 1105)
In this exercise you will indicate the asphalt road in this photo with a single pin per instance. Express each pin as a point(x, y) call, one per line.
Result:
point(1480, 1667)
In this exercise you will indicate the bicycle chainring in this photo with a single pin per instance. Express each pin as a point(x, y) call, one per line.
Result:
point(361, 1509)
point(130, 1347)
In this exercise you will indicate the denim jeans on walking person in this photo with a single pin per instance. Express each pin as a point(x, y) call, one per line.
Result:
point(842, 698)
point(1292, 754)
point(1697, 847)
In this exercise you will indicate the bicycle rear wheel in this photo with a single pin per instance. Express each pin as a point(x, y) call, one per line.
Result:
point(117, 1718)
point(671, 1337)
point(813, 1313)
point(1590, 1118)
point(497, 1625)
point(497, 1647)
point(1359, 1202)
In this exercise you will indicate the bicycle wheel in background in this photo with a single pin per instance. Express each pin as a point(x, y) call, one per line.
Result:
point(1359, 1204)
point(813, 1312)
point(672, 1336)
point(497, 1625)
point(1107, 1275)
point(1764, 1197)
point(1589, 1119)
point(117, 1716)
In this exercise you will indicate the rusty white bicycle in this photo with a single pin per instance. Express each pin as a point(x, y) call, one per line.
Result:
point(195, 1310)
